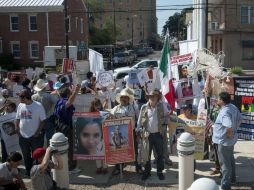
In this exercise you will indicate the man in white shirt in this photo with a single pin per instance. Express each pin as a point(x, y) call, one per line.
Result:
point(29, 126)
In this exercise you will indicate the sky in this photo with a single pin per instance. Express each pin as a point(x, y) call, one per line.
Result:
point(163, 15)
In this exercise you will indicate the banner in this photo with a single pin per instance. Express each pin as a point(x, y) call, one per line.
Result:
point(178, 125)
point(118, 140)
point(96, 61)
point(68, 65)
point(88, 137)
point(105, 79)
point(8, 133)
point(244, 100)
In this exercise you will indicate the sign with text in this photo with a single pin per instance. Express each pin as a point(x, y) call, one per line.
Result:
point(180, 59)
point(179, 125)
point(88, 136)
point(244, 100)
point(118, 140)
point(8, 133)
point(105, 79)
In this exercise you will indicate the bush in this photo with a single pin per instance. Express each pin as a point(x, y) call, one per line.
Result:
point(236, 70)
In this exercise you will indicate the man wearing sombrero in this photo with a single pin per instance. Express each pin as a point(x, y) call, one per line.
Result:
point(126, 108)
point(48, 101)
point(152, 120)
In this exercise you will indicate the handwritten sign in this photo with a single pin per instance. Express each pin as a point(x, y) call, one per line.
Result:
point(133, 76)
point(105, 79)
point(137, 94)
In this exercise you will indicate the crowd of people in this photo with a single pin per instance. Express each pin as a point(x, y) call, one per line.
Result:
point(46, 108)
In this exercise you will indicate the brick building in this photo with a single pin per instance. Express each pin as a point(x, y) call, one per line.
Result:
point(231, 29)
point(135, 20)
point(29, 25)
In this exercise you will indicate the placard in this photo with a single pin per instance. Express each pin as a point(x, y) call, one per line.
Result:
point(133, 76)
point(137, 94)
point(105, 79)
point(178, 125)
point(8, 133)
point(118, 140)
point(88, 136)
point(142, 77)
point(244, 100)
point(68, 65)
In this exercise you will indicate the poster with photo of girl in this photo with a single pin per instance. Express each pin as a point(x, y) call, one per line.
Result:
point(88, 143)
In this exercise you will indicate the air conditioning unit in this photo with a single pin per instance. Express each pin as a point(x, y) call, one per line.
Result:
point(214, 26)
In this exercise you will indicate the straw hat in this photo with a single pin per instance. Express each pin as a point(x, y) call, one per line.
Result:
point(40, 85)
point(125, 92)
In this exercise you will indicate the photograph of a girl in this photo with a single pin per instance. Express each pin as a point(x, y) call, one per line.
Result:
point(89, 136)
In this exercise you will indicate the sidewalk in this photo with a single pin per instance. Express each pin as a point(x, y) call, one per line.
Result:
point(87, 179)
point(244, 154)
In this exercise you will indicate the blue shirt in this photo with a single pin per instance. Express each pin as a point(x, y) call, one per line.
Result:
point(228, 117)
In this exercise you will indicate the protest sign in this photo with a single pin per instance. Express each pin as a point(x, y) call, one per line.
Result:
point(202, 117)
point(244, 100)
point(137, 94)
point(29, 73)
point(179, 125)
point(105, 79)
point(68, 65)
point(118, 140)
point(133, 76)
point(87, 129)
point(8, 133)
point(142, 77)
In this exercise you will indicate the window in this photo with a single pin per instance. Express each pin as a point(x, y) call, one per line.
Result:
point(15, 49)
point(14, 23)
point(32, 23)
point(81, 26)
point(247, 15)
point(69, 23)
point(248, 50)
point(76, 22)
point(34, 49)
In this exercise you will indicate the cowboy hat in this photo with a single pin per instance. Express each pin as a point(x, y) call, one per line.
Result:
point(125, 92)
point(40, 85)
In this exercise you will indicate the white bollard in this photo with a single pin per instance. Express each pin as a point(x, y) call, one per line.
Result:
point(204, 183)
point(185, 148)
point(60, 142)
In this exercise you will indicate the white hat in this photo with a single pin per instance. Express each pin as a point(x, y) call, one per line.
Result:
point(40, 85)
point(125, 92)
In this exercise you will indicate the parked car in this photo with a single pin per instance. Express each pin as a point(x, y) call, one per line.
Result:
point(122, 58)
point(133, 55)
point(145, 64)
point(149, 50)
point(140, 52)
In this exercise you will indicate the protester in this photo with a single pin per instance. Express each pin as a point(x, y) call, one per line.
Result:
point(48, 101)
point(109, 97)
point(225, 135)
point(127, 108)
point(41, 171)
point(152, 119)
point(87, 84)
point(29, 125)
point(10, 107)
point(9, 175)
point(101, 166)
point(187, 112)
point(64, 110)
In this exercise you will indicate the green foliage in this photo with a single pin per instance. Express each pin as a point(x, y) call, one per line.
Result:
point(236, 70)
point(176, 26)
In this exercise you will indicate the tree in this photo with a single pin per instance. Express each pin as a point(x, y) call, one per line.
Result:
point(176, 26)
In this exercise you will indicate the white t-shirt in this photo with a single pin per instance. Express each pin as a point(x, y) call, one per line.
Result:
point(30, 117)
point(6, 173)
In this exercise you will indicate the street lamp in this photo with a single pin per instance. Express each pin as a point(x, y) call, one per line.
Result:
point(132, 29)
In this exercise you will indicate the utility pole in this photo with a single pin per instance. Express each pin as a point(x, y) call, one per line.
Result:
point(114, 7)
point(66, 23)
point(132, 32)
point(206, 25)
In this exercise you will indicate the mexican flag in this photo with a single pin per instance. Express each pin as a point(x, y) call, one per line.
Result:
point(166, 75)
